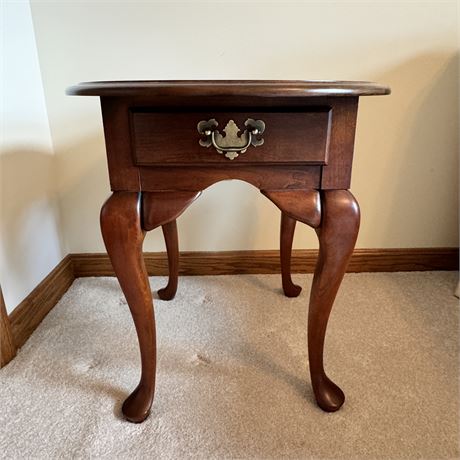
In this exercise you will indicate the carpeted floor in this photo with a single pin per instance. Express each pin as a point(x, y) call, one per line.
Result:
point(233, 373)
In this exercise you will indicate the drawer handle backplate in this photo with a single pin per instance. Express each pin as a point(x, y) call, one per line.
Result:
point(231, 144)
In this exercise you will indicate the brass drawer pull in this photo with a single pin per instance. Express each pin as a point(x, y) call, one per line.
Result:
point(231, 143)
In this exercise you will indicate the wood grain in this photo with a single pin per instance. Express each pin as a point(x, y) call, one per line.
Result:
point(337, 173)
point(30, 312)
point(301, 205)
point(290, 137)
point(287, 229)
point(7, 346)
point(122, 172)
point(159, 208)
point(192, 178)
point(337, 237)
point(267, 261)
point(172, 249)
point(123, 236)
point(230, 88)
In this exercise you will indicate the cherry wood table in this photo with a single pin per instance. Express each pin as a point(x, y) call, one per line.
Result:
point(166, 141)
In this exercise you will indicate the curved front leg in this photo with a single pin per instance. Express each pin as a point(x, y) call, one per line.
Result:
point(286, 236)
point(123, 237)
point(337, 236)
point(172, 248)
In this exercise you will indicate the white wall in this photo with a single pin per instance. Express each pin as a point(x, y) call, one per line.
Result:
point(29, 231)
point(406, 161)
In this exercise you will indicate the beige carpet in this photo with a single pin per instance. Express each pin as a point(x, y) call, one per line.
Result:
point(233, 373)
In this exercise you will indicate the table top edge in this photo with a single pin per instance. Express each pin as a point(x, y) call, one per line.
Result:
point(202, 88)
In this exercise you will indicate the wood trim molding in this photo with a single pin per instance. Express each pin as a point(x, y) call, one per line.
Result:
point(251, 262)
point(7, 346)
point(18, 327)
point(30, 312)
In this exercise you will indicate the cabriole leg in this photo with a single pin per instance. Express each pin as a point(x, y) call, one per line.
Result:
point(286, 236)
point(337, 236)
point(163, 208)
point(123, 237)
point(172, 248)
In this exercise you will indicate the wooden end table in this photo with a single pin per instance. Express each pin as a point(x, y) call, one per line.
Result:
point(168, 140)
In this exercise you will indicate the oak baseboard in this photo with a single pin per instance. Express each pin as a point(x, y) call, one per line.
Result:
point(7, 345)
point(267, 262)
point(32, 310)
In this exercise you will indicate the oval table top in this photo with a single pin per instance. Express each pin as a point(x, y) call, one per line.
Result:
point(203, 88)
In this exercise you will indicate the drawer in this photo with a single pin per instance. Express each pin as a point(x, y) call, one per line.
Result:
point(173, 139)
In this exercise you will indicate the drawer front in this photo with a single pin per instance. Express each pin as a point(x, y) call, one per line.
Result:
point(172, 138)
